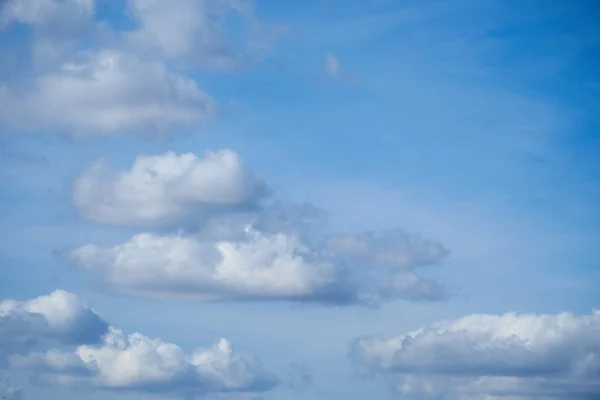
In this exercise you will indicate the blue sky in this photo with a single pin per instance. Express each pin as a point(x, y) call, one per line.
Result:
point(468, 128)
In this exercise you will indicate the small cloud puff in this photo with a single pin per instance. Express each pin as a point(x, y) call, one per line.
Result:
point(332, 66)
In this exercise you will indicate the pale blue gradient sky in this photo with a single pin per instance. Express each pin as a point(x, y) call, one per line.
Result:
point(471, 122)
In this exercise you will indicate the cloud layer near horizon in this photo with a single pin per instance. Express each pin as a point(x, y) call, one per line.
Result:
point(63, 342)
point(480, 356)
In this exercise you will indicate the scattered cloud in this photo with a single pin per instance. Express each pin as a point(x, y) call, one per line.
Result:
point(194, 31)
point(300, 377)
point(240, 248)
point(508, 356)
point(125, 81)
point(236, 396)
point(267, 258)
point(164, 189)
point(59, 317)
point(332, 66)
point(39, 12)
point(9, 391)
point(107, 92)
point(111, 359)
point(57, 28)
point(392, 248)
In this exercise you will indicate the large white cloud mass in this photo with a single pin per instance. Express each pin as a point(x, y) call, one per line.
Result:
point(62, 342)
point(488, 357)
point(269, 258)
point(106, 92)
point(59, 317)
point(261, 266)
point(167, 188)
point(245, 249)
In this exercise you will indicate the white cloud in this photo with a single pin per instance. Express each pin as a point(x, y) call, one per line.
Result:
point(64, 343)
point(106, 92)
point(138, 363)
point(508, 356)
point(392, 248)
point(332, 65)
point(36, 12)
point(194, 30)
point(83, 77)
point(261, 266)
point(57, 26)
point(168, 188)
point(58, 317)
point(252, 261)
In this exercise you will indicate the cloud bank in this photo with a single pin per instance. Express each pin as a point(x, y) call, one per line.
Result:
point(481, 356)
point(245, 249)
point(62, 342)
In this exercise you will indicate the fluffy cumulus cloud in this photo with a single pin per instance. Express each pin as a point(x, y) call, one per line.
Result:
point(106, 92)
point(59, 340)
point(260, 266)
point(506, 356)
point(268, 258)
point(138, 363)
point(164, 189)
point(59, 317)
